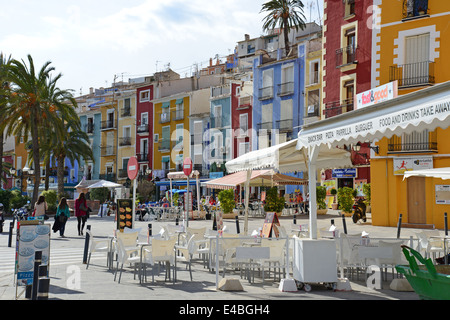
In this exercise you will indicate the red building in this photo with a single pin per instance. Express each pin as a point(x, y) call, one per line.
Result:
point(144, 126)
point(347, 44)
point(241, 117)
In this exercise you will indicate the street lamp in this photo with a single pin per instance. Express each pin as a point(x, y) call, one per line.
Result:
point(20, 174)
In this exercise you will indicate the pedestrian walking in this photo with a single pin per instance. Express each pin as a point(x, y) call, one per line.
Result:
point(62, 214)
point(81, 212)
point(40, 207)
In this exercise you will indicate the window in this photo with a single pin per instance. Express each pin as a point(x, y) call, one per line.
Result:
point(266, 91)
point(287, 80)
point(244, 147)
point(413, 142)
point(313, 103)
point(243, 124)
point(349, 8)
point(218, 116)
point(144, 96)
point(415, 8)
point(314, 72)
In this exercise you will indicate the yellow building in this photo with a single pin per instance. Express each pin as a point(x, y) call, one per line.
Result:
point(109, 141)
point(171, 133)
point(126, 131)
point(410, 46)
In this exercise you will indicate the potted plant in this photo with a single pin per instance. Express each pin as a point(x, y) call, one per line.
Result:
point(334, 205)
point(227, 202)
point(274, 202)
point(345, 200)
point(321, 194)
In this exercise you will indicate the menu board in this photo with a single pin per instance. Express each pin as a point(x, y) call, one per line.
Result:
point(124, 214)
point(32, 236)
point(270, 224)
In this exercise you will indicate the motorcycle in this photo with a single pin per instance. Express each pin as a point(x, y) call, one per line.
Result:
point(22, 213)
point(359, 211)
point(2, 217)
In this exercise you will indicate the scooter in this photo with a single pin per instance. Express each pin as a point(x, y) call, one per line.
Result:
point(2, 217)
point(359, 211)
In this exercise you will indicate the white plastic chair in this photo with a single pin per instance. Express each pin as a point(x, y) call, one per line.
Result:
point(102, 245)
point(183, 253)
point(125, 256)
point(429, 244)
point(277, 248)
point(163, 251)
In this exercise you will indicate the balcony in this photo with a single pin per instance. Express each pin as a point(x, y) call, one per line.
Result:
point(126, 112)
point(108, 124)
point(108, 177)
point(285, 89)
point(217, 122)
point(142, 157)
point(220, 91)
point(143, 129)
point(164, 117)
point(346, 56)
point(285, 125)
point(265, 126)
point(335, 108)
point(123, 173)
point(89, 128)
point(415, 9)
point(125, 141)
point(108, 151)
point(265, 93)
point(178, 114)
point(413, 74)
point(164, 145)
point(416, 142)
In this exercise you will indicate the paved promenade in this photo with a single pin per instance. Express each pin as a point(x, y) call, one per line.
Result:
point(70, 280)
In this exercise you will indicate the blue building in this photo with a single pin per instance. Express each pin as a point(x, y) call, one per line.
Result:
point(278, 99)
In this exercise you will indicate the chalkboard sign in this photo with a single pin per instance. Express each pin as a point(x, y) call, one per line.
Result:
point(270, 225)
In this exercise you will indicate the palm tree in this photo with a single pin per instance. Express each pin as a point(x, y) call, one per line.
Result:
point(284, 14)
point(4, 93)
point(29, 109)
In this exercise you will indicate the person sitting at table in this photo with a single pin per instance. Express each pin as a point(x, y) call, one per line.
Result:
point(212, 201)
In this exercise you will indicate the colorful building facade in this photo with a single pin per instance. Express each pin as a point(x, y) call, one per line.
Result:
point(409, 49)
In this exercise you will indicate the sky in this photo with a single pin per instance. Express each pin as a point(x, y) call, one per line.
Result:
point(93, 41)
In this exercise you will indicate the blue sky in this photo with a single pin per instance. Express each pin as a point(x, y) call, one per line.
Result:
point(91, 41)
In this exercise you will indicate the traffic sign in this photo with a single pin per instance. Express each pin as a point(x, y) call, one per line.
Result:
point(132, 168)
point(187, 166)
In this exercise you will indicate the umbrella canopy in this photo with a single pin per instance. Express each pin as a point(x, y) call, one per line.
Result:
point(105, 184)
point(443, 173)
point(258, 178)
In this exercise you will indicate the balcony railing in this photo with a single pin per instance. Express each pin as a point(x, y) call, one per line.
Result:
point(164, 117)
point(345, 56)
point(143, 128)
point(265, 126)
point(217, 122)
point(245, 102)
point(416, 142)
point(108, 151)
point(126, 112)
point(220, 91)
point(265, 93)
point(164, 144)
point(142, 157)
point(284, 125)
point(108, 124)
point(89, 128)
point(108, 177)
point(285, 88)
point(414, 8)
point(335, 108)
point(125, 141)
point(413, 74)
point(178, 114)
point(123, 173)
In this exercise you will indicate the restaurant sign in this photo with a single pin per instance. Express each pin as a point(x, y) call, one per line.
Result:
point(376, 95)
point(344, 173)
point(425, 113)
point(402, 164)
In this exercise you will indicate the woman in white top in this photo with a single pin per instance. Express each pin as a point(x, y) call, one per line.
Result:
point(40, 207)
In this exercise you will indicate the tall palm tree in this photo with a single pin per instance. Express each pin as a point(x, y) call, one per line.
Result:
point(29, 109)
point(284, 14)
point(4, 94)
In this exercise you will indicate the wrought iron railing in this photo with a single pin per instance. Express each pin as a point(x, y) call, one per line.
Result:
point(335, 108)
point(413, 74)
point(265, 93)
point(346, 56)
point(285, 88)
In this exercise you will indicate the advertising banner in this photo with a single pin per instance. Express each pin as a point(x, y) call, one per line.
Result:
point(124, 218)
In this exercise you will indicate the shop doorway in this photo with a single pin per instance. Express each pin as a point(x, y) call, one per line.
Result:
point(416, 200)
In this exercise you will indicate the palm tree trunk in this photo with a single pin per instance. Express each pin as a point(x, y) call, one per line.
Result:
point(47, 175)
point(60, 173)
point(37, 166)
point(1, 158)
point(286, 37)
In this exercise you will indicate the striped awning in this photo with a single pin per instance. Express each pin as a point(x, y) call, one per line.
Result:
point(258, 178)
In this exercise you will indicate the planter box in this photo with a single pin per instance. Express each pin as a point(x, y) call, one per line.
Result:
point(322, 211)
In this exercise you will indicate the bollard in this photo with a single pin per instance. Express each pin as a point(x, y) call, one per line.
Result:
point(149, 229)
point(37, 263)
point(344, 224)
point(176, 221)
point(11, 228)
point(237, 225)
point(295, 219)
point(332, 222)
point(86, 244)
point(399, 226)
point(28, 290)
point(43, 283)
point(445, 224)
